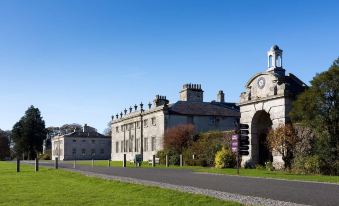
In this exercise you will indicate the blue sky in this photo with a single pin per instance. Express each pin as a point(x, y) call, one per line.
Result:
point(82, 61)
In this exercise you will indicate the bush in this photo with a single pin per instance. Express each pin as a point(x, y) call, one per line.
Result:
point(313, 164)
point(207, 145)
point(203, 146)
point(173, 157)
point(269, 166)
point(225, 158)
point(249, 164)
point(307, 165)
point(45, 156)
point(198, 160)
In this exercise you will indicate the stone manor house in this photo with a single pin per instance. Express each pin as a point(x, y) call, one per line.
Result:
point(141, 131)
point(81, 145)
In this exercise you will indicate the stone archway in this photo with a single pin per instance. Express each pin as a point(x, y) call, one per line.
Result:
point(260, 126)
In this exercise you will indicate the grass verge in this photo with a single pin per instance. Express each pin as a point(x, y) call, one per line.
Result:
point(60, 187)
point(272, 174)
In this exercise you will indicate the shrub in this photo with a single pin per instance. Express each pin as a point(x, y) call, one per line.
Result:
point(207, 145)
point(313, 164)
point(45, 156)
point(173, 157)
point(269, 166)
point(249, 164)
point(307, 165)
point(225, 158)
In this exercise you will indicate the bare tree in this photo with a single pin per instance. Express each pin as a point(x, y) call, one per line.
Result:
point(283, 140)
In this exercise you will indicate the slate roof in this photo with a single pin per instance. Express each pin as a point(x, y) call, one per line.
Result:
point(86, 134)
point(294, 84)
point(204, 109)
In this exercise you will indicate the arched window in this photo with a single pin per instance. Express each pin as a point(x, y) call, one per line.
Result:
point(270, 61)
point(278, 61)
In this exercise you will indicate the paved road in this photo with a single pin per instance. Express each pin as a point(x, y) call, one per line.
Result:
point(290, 191)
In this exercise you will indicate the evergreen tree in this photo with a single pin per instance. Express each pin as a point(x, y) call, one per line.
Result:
point(4, 145)
point(318, 109)
point(29, 133)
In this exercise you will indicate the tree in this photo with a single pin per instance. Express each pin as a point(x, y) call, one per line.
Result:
point(317, 108)
point(29, 132)
point(179, 137)
point(4, 145)
point(68, 128)
point(283, 140)
point(108, 130)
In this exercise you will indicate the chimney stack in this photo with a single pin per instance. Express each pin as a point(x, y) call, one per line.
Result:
point(221, 96)
point(160, 100)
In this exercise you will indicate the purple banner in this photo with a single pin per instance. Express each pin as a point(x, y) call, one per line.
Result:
point(234, 149)
point(235, 137)
point(234, 144)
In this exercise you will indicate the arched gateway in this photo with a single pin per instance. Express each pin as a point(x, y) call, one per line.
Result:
point(265, 104)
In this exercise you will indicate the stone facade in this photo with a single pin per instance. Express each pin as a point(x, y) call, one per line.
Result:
point(266, 104)
point(141, 131)
point(81, 145)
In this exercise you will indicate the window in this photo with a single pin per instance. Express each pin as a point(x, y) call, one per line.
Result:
point(270, 61)
point(74, 151)
point(116, 129)
point(138, 124)
point(153, 144)
point(122, 146)
point(131, 144)
point(116, 147)
point(122, 128)
point(278, 61)
point(93, 141)
point(145, 144)
point(212, 120)
point(93, 152)
point(131, 126)
point(83, 151)
point(74, 140)
point(153, 121)
point(126, 146)
point(102, 151)
point(145, 123)
point(138, 143)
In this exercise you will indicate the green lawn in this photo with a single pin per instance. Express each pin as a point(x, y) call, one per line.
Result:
point(243, 172)
point(60, 187)
point(272, 174)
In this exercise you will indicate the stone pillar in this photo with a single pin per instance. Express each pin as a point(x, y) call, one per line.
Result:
point(36, 164)
point(109, 163)
point(74, 163)
point(181, 161)
point(166, 160)
point(124, 161)
point(153, 161)
point(17, 165)
point(92, 163)
point(56, 163)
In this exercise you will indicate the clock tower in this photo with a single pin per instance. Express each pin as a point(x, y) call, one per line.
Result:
point(266, 104)
point(274, 61)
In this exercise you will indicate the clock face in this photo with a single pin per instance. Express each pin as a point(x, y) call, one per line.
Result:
point(261, 82)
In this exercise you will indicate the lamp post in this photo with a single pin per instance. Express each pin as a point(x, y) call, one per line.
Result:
point(141, 132)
